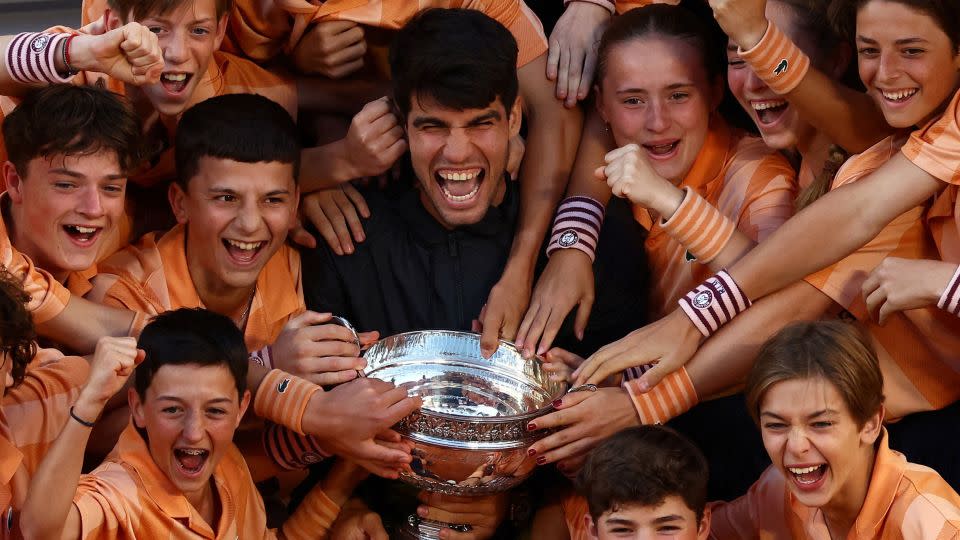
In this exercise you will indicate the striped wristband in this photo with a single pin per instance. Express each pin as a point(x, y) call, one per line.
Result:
point(290, 450)
point(282, 398)
point(714, 303)
point(950, 299)
point(577, 226)
point(699, 227)
point(605, 4)
point(777, 61)
point(31, 58)
point(671, 397)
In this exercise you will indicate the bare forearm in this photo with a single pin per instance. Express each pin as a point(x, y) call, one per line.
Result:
point(848, 117)
point(52, 488)
point(809, 241)
point(723, 361)
point(595, 142)
point(82, 323)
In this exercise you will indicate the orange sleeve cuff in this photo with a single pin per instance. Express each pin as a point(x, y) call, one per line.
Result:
point(673, 396)
point(282, 398)
point(777, 61)
point(313, 518)
point(699, 227)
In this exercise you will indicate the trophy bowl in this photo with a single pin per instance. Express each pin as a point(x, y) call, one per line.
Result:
point(470, 436)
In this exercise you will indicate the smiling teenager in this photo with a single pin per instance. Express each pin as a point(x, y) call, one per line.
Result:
point(887, 208)
point(816, 392)
point(175, 470)
point(660, 81)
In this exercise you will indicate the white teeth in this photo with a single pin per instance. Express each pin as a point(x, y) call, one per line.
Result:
point(83, 230)
point(193, 451)
point(899, 95)
point(804, 470)
point(459, 198)
point(764, 105)
point(458, 177)
point(175, 77)
point(246, 246)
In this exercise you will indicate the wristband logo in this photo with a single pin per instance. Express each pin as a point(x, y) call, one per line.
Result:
point(39, 43)
point(782, 67)
point(689, 257)
point(568, 238)
point(282, 387)
point(703, 299)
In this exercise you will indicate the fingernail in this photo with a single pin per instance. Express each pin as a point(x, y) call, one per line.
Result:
point(557, 403)
point(542, 460)
point(531, 426)
point(349, 249)
point(531, 452)
point(519, 343)
point(580, 335)
point(422, 511)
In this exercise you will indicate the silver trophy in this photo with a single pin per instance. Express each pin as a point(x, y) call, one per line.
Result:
point(470, 437)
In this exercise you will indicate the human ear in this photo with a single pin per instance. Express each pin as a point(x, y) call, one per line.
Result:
point(176, 196)
point(872, 428)
point(136, 408)
point(13, 182)
point(244, 404)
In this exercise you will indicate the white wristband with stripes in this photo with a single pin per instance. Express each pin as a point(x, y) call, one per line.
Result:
point(31, 58)
point(577, 226)
point(950, 299)
point(714, 302)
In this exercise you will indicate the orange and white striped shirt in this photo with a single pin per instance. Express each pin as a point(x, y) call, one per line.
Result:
point(917, 348)
point(747, 182)
point(262, 29)
point(31, 417)
point(904, 501)
point(152, 277)
point(128, 496)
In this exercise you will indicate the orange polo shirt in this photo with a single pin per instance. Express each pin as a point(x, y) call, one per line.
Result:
point(48, 297)
point(31, 417)
point(904, 501)
point(128, 496)
point(263, 29)
point(152, 277)
point(917, 348)
point(750, 184)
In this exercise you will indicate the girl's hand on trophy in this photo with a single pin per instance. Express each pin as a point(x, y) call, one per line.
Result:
point(483, 514)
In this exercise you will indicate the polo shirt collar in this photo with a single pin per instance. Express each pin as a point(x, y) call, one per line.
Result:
point(132, 451)
point(275, 276)
point(888, 469)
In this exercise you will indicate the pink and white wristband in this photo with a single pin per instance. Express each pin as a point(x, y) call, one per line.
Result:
point(31, 58)
point(714, 302)
point(577, 226)
point(950, 299)
point(263, 357)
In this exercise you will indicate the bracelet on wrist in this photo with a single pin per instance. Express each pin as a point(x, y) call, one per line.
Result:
point(81, 421)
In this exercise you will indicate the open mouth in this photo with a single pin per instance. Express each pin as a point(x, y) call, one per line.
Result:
point(662, 150)
point(174, 83)
point(190, 460)
point(808, 477)
point(770, 110)
point(898, 96)
point(243, 253)
point(81, 234)
point(460, 185)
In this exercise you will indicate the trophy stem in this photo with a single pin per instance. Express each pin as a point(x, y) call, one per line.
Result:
point(418, 528)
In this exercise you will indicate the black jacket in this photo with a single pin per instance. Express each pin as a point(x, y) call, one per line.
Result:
point(411, 273)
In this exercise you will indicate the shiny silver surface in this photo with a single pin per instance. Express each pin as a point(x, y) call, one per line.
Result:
point(470, 437)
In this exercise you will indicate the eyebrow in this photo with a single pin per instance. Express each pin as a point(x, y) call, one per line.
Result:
point(164, 20)
point(904, 41)
point(673, 86)
point(667, 519)
point(75, 174)
point(209, 402)
point(620, 521)
point(217, 189)
point(421, 121)
point(809, 416)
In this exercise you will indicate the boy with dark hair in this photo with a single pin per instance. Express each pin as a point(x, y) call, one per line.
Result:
point(70, 149)
point(642, 483)
point(175, 471)
point(235, 200)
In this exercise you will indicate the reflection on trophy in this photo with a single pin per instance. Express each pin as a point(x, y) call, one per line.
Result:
point(470, 437)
